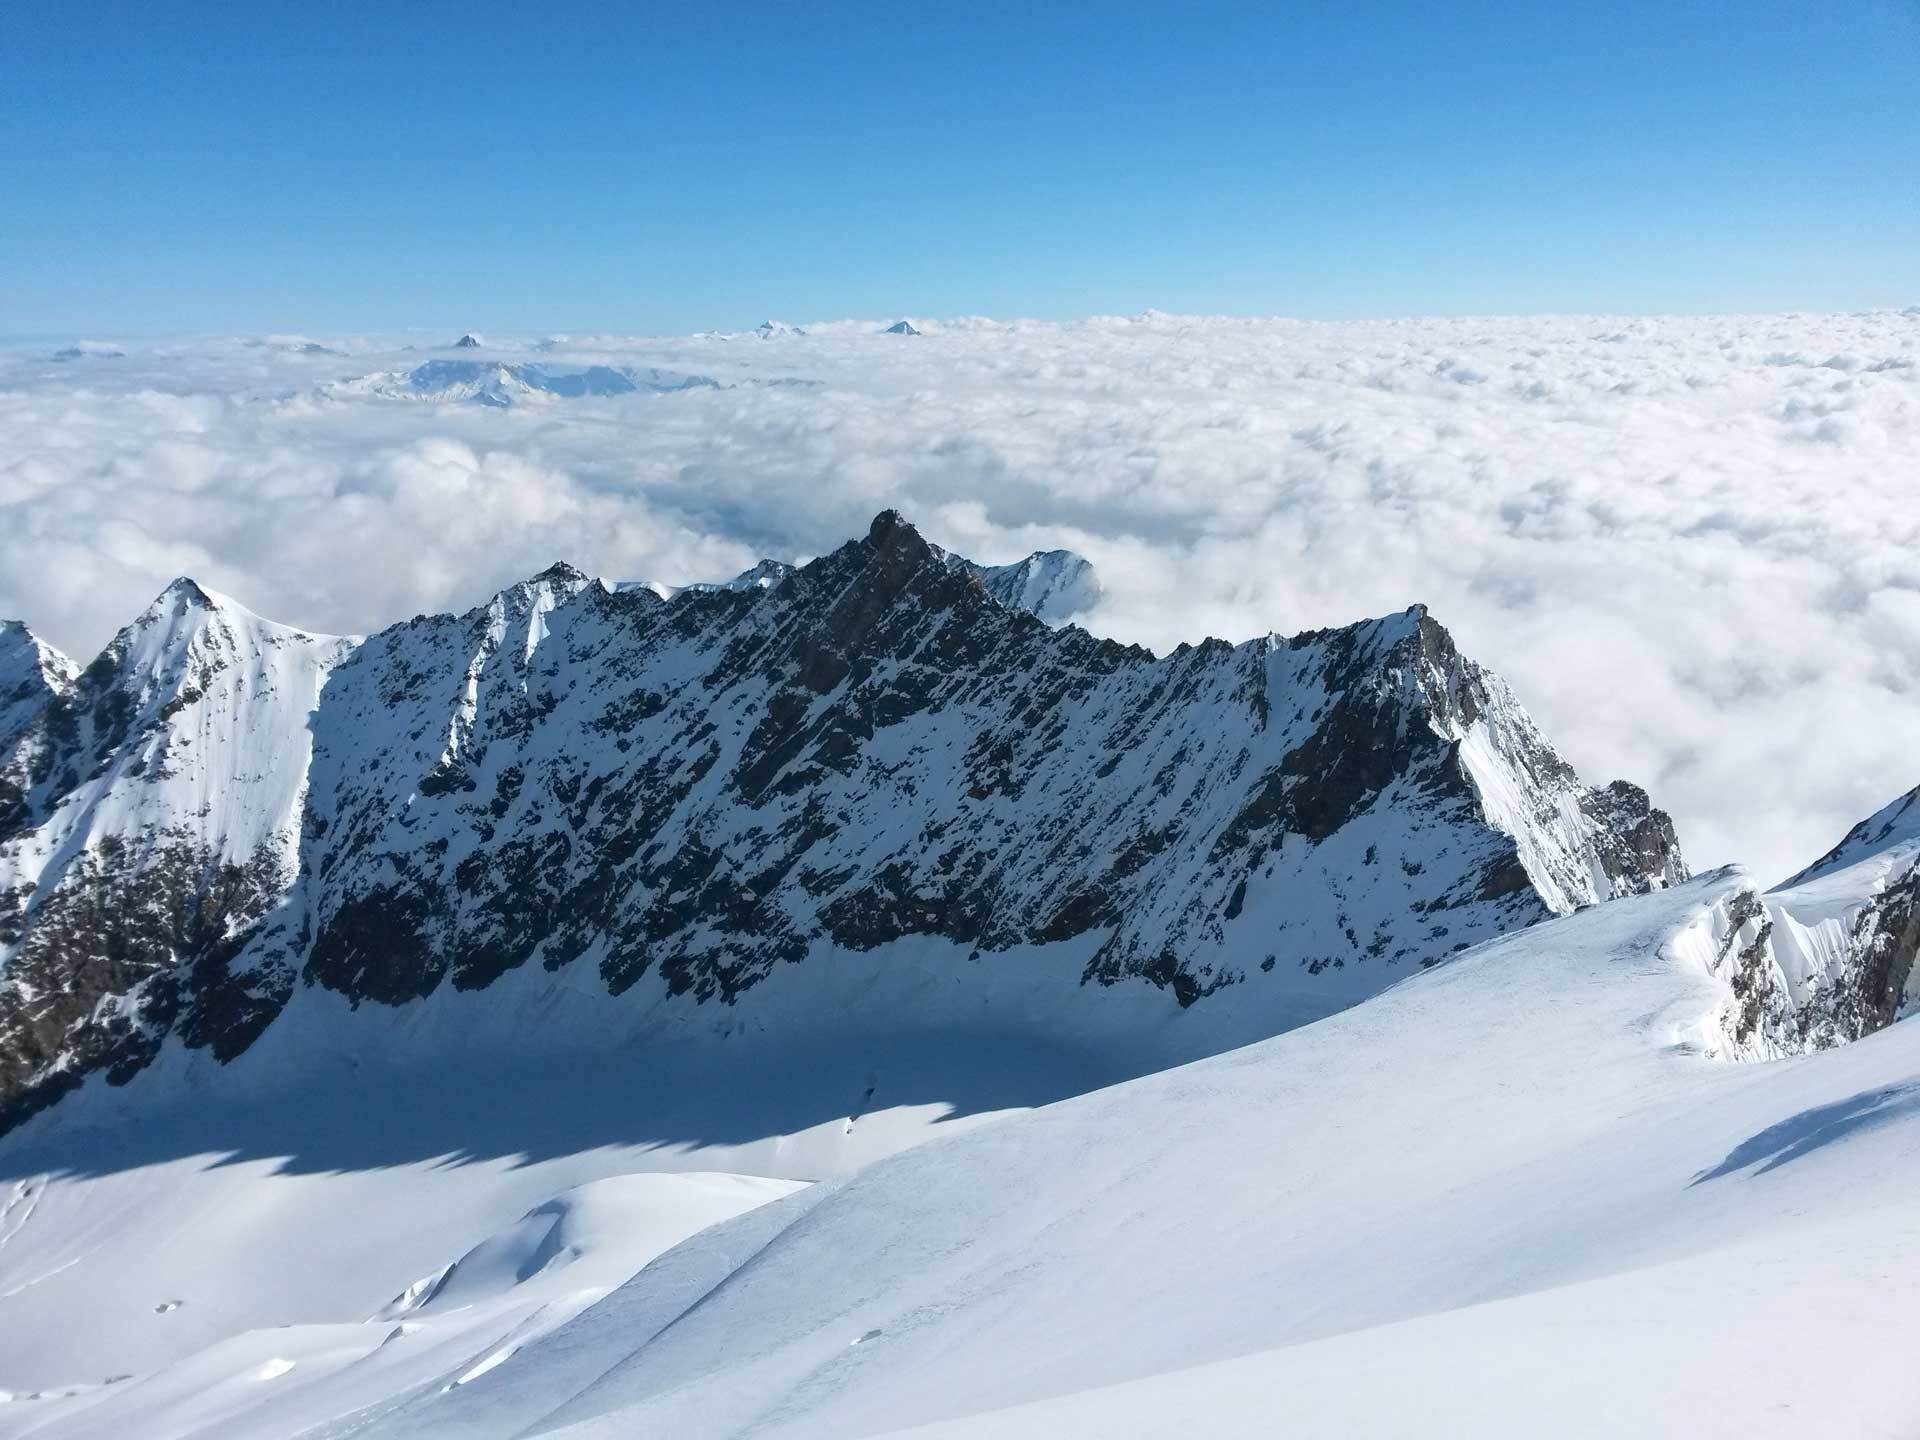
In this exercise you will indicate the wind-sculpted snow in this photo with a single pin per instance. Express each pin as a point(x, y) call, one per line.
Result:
point(700, 791)
point(1829, 956)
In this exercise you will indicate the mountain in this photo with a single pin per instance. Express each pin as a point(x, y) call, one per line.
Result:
point(872, 782)
point(501, 386)
point(901, 327)
point(468, 341)
point(775, 329)
point(1828, 955)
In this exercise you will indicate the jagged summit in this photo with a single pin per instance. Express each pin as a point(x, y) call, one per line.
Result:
point(468, 341)
point(774, 329)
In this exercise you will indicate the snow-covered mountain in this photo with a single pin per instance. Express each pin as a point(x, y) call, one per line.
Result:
point(870, 780)
point(501, 385)
point(1053, 584)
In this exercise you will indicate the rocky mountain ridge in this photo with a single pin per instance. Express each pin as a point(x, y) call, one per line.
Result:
point(223, 814)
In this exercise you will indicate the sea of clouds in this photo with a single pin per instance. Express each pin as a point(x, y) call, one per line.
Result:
point(1692, 545)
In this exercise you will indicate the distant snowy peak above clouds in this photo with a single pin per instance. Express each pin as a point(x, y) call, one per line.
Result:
point(501, 386)
point(1056, 585)
point(901, 327)
point(776, 329)
point(808, 764)
point(89, 350)
point(468, 341)
point(762, 576)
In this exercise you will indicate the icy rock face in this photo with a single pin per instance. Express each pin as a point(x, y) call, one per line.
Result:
point(1828, 956)
point(699, 791)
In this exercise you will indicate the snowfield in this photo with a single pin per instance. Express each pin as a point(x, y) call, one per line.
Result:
point(1521, 1193)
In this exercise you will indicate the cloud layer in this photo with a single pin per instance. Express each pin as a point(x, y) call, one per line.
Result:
point(1693, 545)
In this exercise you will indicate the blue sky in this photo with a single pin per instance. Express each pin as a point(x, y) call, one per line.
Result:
point(169, 168)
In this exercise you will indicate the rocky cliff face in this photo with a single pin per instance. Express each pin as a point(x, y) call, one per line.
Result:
point(1828, 956)
point(693, 792)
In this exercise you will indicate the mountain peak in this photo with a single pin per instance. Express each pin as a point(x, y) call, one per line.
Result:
point(468, 341)
point(890, 527)
point(183, 591)
point(903, 327)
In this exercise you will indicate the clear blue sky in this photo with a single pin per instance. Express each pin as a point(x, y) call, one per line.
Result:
point(670, 167)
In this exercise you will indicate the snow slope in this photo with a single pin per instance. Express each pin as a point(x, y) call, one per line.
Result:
point(280, 1291)
point(1513, 1195)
